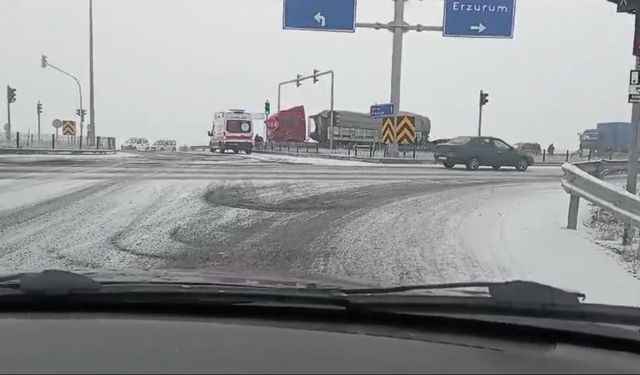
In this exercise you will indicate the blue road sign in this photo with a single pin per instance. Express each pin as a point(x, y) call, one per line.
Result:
point(319, 15)
point(381, 110)
point(479, 18)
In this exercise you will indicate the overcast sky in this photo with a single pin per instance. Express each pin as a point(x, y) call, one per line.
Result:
point(162, 67)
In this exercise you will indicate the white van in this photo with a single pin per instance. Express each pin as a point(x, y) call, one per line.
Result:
point(232, 130)
point(136, 144)
point(164, 145)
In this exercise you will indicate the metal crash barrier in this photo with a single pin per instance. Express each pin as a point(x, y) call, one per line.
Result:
point(584, 180)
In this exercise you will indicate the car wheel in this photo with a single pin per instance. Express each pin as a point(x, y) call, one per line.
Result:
point(236, 151)
point(248, 151)
point(496, 167)
point(448, 164)
point(173, 149)
point(162, 149)
point(522, 165)
point(212, 149)
point(472, 164)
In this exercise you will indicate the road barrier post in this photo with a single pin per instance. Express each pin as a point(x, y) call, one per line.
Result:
point(544, 155)
point(297, 149)
point(610, 155)
point(371, 150)
point(404, 154)
point(414, 151)
point(589, 157)
point(17, 139)
point(574, 204)
point(317, 148)
point(53, 141)
point(567, 158)
point(97, 143)
point(288, 145)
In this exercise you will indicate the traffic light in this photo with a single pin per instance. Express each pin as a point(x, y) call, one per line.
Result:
point(81, 113)
point(267, 108)
point(11, 94)
point(315, 75)
point(43, 61)
point(298, 84)
point(336, 118)
point(39, 108)
point(484, 98)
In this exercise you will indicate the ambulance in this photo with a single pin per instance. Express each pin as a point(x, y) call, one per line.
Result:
point(232, 130)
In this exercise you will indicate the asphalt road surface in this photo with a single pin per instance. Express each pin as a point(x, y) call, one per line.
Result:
point(387, 224)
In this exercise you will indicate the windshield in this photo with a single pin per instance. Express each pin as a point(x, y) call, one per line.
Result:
point(312, 147)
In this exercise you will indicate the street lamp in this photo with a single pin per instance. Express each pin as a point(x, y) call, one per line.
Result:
point(45, 63)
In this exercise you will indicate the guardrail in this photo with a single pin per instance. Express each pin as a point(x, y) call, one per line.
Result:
point(584, 180)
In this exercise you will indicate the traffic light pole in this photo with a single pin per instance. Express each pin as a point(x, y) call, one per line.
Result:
point(480, 120)
point(80, 92)
point(38, 112)
point(8, 118)
point(315, 77)
point(398, 27)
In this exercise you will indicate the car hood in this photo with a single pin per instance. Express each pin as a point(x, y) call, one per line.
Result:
point(244, 278)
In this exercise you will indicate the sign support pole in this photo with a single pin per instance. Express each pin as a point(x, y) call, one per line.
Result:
point(632, 167)
point(398, 27)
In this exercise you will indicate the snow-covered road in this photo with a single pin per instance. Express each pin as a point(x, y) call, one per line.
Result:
point(387, 224)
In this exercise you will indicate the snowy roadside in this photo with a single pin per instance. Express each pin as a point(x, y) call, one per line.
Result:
point(606, 230)
point(491, 233)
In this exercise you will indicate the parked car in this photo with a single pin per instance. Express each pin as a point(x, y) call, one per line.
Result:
point(136, 144)
point(164, 145)
point(474, 152)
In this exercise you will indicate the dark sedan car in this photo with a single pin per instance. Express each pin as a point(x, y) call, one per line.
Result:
point(474, 152)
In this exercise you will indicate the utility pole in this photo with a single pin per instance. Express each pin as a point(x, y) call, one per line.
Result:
point(92, 110)
point(484, 99)
point(398, 27)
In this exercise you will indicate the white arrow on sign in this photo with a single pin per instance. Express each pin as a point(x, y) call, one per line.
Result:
point(479, 27)
point(320, 19)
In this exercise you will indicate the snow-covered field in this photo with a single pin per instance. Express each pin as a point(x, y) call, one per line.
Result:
point(406, 225)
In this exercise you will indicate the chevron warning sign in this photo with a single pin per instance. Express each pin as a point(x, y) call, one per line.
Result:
point(68, 127)
point(388, 131)
point(406, 130)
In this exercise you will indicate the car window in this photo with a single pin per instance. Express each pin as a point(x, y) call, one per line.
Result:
point(501, 146)
point(460, 140)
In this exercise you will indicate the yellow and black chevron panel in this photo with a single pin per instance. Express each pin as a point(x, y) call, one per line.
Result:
point(69, 127)
point(388, 131)
point(406, 130)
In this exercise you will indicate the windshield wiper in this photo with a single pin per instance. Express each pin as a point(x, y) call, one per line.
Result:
point(49, 282)
point(511, 292)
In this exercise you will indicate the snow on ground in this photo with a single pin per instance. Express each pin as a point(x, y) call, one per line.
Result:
point(309, 160)
point(478, 233)
point(526, 236)
point(46, 157)
point(15, 193)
